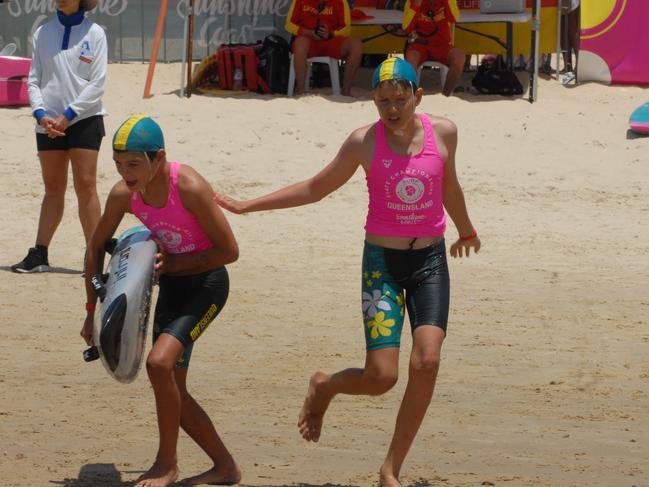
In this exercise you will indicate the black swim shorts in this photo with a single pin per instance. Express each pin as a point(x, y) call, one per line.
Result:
point(84, 134)
point(188, 304)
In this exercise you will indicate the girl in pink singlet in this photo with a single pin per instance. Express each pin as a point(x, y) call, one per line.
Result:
point(195, 243)
point(409, 163)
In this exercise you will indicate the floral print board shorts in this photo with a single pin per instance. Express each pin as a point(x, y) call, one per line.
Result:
point(394, 280)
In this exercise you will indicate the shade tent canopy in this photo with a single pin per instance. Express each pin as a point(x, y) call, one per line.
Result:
point(536, 9)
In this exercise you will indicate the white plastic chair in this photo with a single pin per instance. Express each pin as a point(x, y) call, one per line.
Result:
point(443, 71)
point(333, 72)
point(8, 49)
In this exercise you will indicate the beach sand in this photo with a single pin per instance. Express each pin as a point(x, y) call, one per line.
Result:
point(544, 378)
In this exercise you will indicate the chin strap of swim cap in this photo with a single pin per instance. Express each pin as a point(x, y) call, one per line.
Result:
point(146, 156)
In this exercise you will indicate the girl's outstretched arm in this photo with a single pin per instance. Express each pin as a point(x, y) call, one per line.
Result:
point(311, 190)
point(453, 196)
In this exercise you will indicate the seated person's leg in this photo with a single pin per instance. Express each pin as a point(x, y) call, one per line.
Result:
point(467, 62)
point(302, 47)
point(352, 52)
point(455, 63)
point(415, 54)
point(573, 35)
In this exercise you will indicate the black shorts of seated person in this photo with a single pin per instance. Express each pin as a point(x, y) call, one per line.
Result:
point(84, 134)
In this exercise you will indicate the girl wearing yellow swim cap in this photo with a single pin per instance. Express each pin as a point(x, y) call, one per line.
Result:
point(409, 162)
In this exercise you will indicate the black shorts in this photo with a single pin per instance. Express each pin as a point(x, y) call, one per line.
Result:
point(396, 280)
point(188, 304)
point(84, 134)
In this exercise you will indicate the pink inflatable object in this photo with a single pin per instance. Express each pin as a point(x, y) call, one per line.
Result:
point(615, 50)
point(14, 72)
point(641, 128)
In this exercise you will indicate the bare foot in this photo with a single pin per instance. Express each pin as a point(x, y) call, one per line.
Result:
point(349, 93)
point(386, 480)
point(315, 405)
point(158, 475)
point(218, 475)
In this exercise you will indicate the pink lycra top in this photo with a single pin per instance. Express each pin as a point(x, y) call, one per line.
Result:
point(406, 191)
point(176, 228)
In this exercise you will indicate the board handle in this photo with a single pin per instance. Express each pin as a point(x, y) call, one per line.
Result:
point(98, 281)
point(110, 245)
point(91, 354)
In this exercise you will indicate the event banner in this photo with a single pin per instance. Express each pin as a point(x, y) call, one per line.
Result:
point(614, 41)
point(130, 24)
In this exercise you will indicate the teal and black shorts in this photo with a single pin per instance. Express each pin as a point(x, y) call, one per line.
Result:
point(188, 304)
point(395, 280)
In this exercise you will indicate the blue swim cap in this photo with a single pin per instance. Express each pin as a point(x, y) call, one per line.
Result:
point(394, 68)
point(139, 133)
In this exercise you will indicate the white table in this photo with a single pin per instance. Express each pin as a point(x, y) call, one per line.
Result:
point(508, 19)
point(380, 17)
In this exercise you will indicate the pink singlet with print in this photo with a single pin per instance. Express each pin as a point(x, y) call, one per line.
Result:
point(406, 191)
point(176, 228)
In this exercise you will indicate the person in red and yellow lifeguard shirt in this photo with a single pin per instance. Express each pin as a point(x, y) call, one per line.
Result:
point(429, 24)
point(323, 28)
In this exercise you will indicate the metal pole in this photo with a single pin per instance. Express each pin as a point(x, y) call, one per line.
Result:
point(559, 32)
point(510, 46)
point(190, 47)
point(164, 42)
point(536, 25)
point(576, 66)
point(121, 41)
point(184, 56)
point(142, 30)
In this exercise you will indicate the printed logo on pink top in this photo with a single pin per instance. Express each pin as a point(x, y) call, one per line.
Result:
point(173, 237)
point(413, 189)
point(170, 239)
point(410, 190)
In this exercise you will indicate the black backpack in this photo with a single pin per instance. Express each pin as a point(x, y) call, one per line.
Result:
point(274, 63)
point(496, 80)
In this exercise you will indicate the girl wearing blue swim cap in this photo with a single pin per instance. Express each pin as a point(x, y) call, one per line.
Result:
point(409, 162)
point(195, 243)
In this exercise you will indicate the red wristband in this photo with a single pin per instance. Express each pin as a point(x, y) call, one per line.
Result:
point(473, 235)
point(90, 306)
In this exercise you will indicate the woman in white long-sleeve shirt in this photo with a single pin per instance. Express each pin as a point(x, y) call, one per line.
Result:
point(66, 84)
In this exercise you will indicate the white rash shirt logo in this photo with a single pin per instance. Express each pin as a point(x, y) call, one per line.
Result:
point(409, 190)
point(170, 239)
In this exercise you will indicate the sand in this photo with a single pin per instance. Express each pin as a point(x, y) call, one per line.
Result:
point(544, 378)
